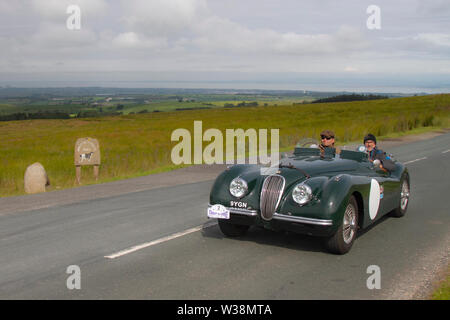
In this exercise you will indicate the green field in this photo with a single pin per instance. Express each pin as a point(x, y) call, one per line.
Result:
point(7, 108)
point(135, 103)
point(133, 145)
point(173, 106)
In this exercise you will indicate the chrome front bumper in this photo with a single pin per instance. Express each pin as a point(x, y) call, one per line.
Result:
point(279, 216)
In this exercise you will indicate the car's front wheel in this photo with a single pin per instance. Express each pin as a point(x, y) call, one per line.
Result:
point(232, 230)
point(342, 241)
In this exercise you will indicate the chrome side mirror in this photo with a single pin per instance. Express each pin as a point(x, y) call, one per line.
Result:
point(361, 148)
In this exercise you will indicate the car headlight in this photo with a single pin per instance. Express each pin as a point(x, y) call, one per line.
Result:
point(302, 194)
point(238, 187)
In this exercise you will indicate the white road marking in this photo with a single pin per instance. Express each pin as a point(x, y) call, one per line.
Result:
point(446, 151)
point(160, 240)
point(415, 160)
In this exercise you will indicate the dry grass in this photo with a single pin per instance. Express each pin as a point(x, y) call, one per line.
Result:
point(133, 145)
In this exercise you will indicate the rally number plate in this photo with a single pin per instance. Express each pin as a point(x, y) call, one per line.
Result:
point(218, 211)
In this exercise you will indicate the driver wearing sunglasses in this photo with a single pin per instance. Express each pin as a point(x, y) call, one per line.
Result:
point(327, 141)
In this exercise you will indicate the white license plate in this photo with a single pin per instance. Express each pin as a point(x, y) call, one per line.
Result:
point(218, 211)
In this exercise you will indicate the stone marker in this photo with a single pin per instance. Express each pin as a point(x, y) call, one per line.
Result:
point(36, 178)
point(87, 153)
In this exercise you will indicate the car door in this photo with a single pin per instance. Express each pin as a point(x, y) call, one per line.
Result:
point(385, 185)
point(388, 189)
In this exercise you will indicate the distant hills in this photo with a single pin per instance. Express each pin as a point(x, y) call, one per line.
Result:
point(350, 97)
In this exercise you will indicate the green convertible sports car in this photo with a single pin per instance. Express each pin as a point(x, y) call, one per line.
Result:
point(329, 195)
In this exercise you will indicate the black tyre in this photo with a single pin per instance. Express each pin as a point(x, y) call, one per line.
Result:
point(232, 230)
point(342, 241)
point(404, 198)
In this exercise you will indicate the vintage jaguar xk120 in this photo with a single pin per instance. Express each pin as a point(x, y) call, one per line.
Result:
point(328, 195)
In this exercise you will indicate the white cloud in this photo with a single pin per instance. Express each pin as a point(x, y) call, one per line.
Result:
point(221, 34)
point(131, 40)
point(11, 7)
point(257, 36)
point(437, 39)
point(57, 36)
point(350, 69)
point(423, 46)
point(433, 7)
point(55, 10)
point(162, 17)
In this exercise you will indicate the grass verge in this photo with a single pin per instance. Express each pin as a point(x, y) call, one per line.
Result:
point(443, 290)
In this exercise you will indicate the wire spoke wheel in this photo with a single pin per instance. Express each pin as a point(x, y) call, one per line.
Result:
point(404, 195)
point(349, 226)
point(342, 241)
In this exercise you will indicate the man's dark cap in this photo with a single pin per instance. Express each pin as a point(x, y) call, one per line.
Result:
point(327, 133)
point(370, 137)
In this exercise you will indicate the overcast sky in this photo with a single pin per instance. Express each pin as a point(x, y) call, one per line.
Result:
point(183, 40)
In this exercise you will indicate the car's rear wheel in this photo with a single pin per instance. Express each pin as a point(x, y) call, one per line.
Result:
point(342, 241)
point(232, 230)
point(404, 198)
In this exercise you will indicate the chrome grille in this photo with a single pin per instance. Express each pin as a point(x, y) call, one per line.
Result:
point(271, 193)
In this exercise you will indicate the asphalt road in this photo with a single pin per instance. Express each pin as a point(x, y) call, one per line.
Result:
point(183, 255)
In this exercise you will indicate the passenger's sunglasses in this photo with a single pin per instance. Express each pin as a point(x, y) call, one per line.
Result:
point(328, 138)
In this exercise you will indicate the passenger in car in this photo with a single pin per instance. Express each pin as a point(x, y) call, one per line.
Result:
point(370, 142)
